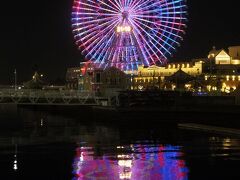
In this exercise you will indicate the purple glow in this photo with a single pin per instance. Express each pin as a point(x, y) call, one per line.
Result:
point(128, 33)
point(142, 163)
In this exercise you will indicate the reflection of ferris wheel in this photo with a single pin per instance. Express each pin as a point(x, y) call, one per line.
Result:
point(128, 33)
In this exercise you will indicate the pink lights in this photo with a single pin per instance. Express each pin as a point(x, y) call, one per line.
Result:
point(150, 162)
point(128, 33)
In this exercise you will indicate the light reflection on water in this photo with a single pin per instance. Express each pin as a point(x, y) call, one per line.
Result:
point(113, 151)
point(224, 147)
point(135, 162)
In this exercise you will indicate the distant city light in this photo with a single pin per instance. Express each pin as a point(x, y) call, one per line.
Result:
point(41, 122)
point(15, 163)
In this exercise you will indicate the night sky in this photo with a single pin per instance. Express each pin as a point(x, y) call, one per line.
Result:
point(37, 34)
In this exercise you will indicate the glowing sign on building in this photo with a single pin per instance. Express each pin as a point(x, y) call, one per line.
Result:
point(122, 29)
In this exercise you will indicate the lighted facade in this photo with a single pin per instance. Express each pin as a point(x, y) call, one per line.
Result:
point(232, 57)
point(234, 52)
point(222, 58)
point(154, 76)
point(219, 72)
point(222, 70)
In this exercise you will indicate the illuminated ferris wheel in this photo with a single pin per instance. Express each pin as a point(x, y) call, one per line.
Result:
point(128, 33)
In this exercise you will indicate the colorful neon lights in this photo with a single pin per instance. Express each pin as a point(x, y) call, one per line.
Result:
point(122, 29)
point(141, 162)
point(128, 33)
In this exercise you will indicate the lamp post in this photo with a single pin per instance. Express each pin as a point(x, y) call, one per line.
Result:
point(15, 79)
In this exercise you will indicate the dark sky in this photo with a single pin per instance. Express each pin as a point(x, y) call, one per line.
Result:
point(38, 33)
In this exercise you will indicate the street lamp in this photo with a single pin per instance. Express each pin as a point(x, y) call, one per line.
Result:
point(15, 79)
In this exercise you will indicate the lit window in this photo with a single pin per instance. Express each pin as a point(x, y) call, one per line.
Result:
point(227, 78)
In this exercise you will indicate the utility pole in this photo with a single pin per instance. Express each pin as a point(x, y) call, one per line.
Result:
point(15, 79)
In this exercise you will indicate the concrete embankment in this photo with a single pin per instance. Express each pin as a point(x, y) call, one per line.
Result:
point(225, 116)
point(9, 109)
point(210, 129)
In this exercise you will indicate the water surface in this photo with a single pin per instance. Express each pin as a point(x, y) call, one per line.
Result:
point(41, 145)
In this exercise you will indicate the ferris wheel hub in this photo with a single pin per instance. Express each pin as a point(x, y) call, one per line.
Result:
point(125, 15)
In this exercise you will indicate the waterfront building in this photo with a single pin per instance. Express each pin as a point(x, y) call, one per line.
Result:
point(114, 80)
point(101, 81)
point(219, 72)
point(90, 77)
point(222, 70)
point(154, 76)
point(222, 57)
point(72, 77)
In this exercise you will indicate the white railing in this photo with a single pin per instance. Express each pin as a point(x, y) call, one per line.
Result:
point(48, 96)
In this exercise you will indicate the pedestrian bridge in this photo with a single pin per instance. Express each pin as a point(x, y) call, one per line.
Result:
point(26, 96)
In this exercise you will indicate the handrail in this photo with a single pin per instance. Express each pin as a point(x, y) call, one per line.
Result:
point(34, 96)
